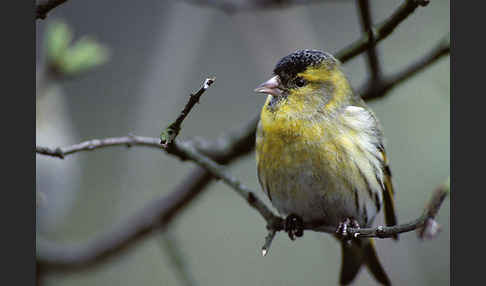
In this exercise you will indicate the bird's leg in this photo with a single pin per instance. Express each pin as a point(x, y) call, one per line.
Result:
point(294, 226)
point(342, 229)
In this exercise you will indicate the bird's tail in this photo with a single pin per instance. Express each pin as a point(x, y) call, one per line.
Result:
point(356, 254)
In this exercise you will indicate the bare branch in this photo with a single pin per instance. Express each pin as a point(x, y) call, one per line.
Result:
point(171, 132)
point(94, 144)
point(431, 228)
point(268, 241)
point(156, 214)
point(275, 223)
point(381, 31)
point(44, 6)
point(220, 172)
point(371, 92)
point(373, 61)
point(425, 224)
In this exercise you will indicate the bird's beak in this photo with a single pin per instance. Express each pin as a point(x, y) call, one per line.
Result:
point(271, 86)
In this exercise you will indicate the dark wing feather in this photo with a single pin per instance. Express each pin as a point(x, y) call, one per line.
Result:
point(390, 216)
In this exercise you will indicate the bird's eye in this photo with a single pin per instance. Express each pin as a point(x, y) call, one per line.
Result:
point(300, 82)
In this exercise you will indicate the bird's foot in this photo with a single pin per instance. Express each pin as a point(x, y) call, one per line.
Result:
point(294, 226)
point(342, 229)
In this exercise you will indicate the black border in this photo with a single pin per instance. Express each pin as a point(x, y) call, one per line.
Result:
point(467, 143)
point(18, 134)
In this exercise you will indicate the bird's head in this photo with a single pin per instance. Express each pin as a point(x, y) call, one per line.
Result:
point(306, 81)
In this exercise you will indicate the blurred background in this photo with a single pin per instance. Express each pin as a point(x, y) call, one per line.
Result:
point(157, 52)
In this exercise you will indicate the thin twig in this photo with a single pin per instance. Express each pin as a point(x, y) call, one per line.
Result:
point(94, 144)
point(431, 228)
point(44, 6)
point(268, 241)
point(373, 61)
point(381, 31)
point(170, 133)
point(389, 82)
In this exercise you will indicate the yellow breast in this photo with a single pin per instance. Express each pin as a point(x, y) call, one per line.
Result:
point(288, 142)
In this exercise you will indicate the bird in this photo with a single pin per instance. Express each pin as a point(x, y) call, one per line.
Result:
point(320, 156)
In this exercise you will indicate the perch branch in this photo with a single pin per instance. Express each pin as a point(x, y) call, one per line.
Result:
point(44, 6)
point(275, 223)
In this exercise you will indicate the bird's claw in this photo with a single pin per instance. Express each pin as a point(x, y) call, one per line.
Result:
point(342, 229)
point(294, 226)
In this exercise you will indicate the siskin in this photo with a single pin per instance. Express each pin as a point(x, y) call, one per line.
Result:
point(321, 158)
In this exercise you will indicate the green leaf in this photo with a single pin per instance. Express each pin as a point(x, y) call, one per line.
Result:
point(83, 55)
point(58, 38)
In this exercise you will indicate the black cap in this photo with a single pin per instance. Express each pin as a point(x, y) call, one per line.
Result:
point(289, 66)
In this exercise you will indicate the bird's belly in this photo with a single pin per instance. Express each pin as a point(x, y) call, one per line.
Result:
point(304, 182)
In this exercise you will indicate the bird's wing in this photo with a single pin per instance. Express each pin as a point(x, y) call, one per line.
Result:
point(364, 122)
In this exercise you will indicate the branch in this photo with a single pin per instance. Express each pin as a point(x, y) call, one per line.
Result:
point(371, 92)
point(275, 223)
point(44, 6)
point(220, 172)
point(430, 212)
point(373, 62)
point(90, 145)
point(170, 133)
point(156, 214)
point(381, 31)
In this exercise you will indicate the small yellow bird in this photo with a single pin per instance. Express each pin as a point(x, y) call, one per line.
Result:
point(320, 155)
